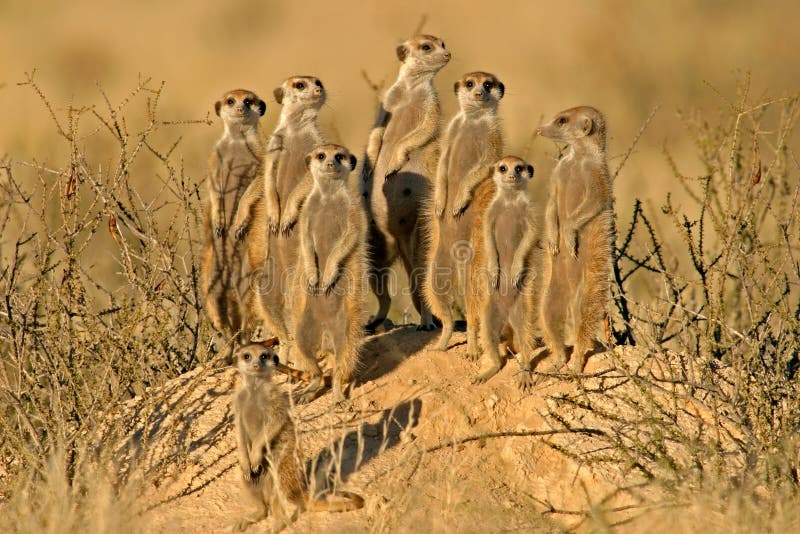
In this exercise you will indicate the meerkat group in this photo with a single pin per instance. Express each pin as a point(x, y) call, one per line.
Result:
point(296, 236)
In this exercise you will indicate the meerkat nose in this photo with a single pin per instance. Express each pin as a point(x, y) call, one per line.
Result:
point(447, 55)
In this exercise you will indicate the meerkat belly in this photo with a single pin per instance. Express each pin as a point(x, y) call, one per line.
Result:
point(572, 191)
point(465, 152)
point(508, 235)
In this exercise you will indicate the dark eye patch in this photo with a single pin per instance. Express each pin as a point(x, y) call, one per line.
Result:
point(503, 168)
point(487, 85)
point(264, 356)
point(230, 101)
point(470, 84)
point(426, 47)
point(339, 157)
point(318, 83)
point(518, 169)
point(300, 85)
point(246, 357)
point(321, 156)
point(562, 120)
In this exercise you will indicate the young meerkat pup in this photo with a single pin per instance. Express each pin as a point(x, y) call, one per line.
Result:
point(401, 157)
point(330, 296)
point(276, 201)
point(270, 461)
point(503, 270)
point(579, 234)
point(472, 143)
point(236, 161)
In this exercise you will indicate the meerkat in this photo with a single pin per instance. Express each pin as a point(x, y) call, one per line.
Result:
point(270, 207)
point(401, 156)
point(504, 269)
point(579, 235)
point(270, 461)
point(330, 296)
point(472, 142)
point(236, 161)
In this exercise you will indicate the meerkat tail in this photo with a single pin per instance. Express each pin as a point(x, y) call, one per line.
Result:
point(347, 502)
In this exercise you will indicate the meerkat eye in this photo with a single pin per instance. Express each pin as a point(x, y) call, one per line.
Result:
point(264, 356)
point(246, 357)
point(562, 121)
point(230, 101)
point(339, 157)
point(426, 47)
point(443, 44)
point(320, 156)
point(318, 84)
point(300, 86)
point(518, 169)
point(487, 86)
point(470, 84)
point(503, 169)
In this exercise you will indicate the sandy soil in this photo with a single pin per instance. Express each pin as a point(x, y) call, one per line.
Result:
point(377, 444)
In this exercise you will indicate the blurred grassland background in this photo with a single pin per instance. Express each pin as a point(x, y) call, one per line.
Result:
point(620, 56)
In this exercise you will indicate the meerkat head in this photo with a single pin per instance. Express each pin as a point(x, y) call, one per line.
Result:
point(332, 162)
point(240, 106)
point(256, 359)
point(423, 53)
point(580, 124)
point(477, 90)
point(512, 173)
point(301, 91)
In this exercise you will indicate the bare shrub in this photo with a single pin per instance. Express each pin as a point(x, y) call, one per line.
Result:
point(100, 300)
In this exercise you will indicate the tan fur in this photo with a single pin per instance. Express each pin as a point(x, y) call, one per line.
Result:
point(503, 274)
point(271, 207)
point(472, 143)
point(270, 461)
point(400, 159)
point(330, 292)
point(579, 235)
point(236, 161)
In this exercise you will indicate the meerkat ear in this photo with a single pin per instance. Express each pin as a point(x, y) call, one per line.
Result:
point(502, 89)
point(217, 106)
point(588, 125)
point(308, 161)
point(530, 170)
point(456, 87)
point(262, 107)
point(278, 94)
point(353, 162)
point(402, 52)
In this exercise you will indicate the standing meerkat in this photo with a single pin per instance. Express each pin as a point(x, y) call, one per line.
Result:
point(579, 234)
point(270, 207)
point(472, 143)
point(270, 461)
point(401, 157)
point(503, 270)
point(330, 296)
point(235, 163)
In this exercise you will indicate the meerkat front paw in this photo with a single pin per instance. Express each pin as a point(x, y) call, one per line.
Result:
point(519, 277)
point(287, 224)
point(312, 279)
point(240, 232)
point(438, 207)
point(571, 242)
point(494, 277)
point(460, 205)
point(219, 230)
point(398, 160)
point(552, 244)
point(329, 280)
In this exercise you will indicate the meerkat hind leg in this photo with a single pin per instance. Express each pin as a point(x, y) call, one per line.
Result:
point(491, 363)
